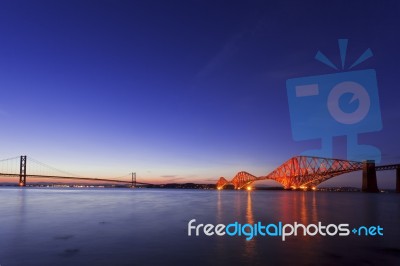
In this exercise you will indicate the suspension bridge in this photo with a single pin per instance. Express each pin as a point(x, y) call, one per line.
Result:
point(17, 167)
point(306, 172)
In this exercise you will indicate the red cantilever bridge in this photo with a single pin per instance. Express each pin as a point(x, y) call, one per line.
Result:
point(306, 172)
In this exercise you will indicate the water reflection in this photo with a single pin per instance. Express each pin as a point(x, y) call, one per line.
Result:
point(298, 206)
point(56, 227)
point(220, 249)
point(308, 212)
point(250, 246)
point(249, 209)
point(314, 209)
point(303, 209)
point(14, 212)
point(219, 207)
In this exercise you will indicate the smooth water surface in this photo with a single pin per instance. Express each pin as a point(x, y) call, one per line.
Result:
point(149, 227)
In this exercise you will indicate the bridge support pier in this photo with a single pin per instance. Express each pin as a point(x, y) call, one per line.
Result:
point(369, 183)
point(398, 180)
point(22, 171)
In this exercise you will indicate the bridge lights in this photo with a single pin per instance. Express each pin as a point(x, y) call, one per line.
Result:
point(249, 188)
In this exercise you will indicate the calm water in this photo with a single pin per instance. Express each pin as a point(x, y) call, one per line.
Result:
point(149, 227)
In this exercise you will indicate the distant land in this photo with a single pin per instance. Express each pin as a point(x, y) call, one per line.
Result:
point(102, 185)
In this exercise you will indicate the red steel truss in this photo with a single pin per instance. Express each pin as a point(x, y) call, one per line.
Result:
point(222, 182)
point(240, 180)
point(243, 179)
point(303, 172)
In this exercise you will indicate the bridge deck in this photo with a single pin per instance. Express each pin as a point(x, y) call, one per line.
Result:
point(77, 178)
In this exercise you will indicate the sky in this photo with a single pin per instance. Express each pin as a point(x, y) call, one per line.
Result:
point(181, 91)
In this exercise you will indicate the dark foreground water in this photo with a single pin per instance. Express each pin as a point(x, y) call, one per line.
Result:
point(149, 227)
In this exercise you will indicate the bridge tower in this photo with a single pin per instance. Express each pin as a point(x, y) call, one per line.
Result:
point(22, 171)
point(133, 180)
point(369, 183)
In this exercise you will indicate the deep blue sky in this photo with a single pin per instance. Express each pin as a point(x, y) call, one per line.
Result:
point(179, 90)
